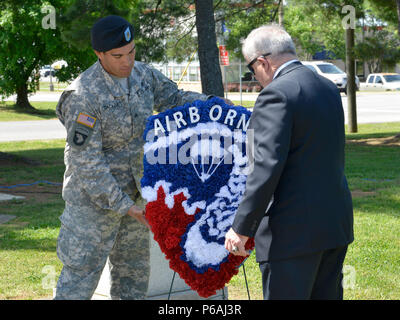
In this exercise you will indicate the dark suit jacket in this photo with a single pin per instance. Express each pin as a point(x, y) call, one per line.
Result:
point(299, 142)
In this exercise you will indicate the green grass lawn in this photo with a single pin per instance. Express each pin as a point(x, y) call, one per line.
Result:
point(28, 243)
point(28, 258)
point(246, 104)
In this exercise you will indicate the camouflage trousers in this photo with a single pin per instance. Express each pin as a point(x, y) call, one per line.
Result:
point(87, 238)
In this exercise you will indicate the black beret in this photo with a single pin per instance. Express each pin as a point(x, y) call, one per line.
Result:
point(111, 32)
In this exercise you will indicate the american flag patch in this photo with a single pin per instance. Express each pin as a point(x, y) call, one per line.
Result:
point(86, 120)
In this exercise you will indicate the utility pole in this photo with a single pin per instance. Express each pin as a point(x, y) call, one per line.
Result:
point(351, 81)
point(281, 13)
point(349, 24)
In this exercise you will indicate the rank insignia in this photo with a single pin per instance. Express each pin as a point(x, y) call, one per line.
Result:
point(127, 34)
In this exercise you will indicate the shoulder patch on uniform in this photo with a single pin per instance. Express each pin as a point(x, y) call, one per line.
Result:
point(86, 120)
point(80, 136)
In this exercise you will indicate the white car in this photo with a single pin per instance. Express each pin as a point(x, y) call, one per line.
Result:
point(331, 72)
point(383, 82)
point(46, 70)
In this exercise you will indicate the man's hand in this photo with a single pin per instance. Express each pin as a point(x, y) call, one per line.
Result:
point(138, 214)
point(235, 243)
point(227, 101)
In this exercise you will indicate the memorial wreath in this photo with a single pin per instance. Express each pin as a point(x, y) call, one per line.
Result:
point(195, 169)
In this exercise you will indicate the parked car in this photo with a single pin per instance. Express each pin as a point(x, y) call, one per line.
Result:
point(383, 82)
point(45, 71)
point(331, 72)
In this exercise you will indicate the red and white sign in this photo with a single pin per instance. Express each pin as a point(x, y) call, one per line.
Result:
point(223, 56)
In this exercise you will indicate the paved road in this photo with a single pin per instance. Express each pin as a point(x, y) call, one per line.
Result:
point(31, 130)
point(371, 108)
point(41, 96)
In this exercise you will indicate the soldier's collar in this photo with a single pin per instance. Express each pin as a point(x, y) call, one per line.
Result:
point(112, 84)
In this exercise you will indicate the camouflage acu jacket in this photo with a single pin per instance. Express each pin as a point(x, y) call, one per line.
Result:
point(104, 149)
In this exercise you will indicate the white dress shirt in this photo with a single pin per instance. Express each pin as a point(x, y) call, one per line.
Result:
point(283, 66)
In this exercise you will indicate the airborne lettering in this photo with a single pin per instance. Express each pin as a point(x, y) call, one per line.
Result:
point(215, 114)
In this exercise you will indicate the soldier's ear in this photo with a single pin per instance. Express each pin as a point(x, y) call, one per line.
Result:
point(98, 54)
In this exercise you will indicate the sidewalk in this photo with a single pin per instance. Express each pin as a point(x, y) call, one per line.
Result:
point(40, 96)
point(31, 130)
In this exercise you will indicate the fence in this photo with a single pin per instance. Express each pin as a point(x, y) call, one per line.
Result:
point(235, 76)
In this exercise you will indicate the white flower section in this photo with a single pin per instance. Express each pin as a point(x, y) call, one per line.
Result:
point(150, 194)
point(200, 252)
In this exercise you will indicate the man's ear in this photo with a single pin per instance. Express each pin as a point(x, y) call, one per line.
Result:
point(98, 54)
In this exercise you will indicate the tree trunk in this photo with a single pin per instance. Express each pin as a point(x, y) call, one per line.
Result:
point(22, 98)
point(210, 70)
point(398, 17)
point(351, 81)
point(281, 14)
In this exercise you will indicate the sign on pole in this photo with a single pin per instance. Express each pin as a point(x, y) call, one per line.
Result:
point(223, 56)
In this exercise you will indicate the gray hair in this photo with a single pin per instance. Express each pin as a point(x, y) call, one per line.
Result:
point(268, 39)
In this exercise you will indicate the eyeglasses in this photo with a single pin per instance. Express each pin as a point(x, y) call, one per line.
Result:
point(249, 66)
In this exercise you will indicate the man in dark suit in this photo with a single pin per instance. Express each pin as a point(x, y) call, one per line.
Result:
point(297, 203)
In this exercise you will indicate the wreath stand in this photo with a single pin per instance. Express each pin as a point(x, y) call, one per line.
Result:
point(223, 291)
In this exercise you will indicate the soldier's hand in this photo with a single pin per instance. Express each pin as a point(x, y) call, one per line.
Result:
point(227, 101)
point(138, 214)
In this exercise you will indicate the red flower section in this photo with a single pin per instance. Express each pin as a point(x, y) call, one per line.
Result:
point(168, 226)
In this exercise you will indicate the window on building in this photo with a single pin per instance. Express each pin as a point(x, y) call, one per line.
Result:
point(193, 74)
point(177, 73)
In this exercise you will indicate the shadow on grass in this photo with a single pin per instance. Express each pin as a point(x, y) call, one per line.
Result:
point(35, 157)
point(42, 244)
point(35, 226)
point(386, 202)
point(359, 136)
point(45, 114)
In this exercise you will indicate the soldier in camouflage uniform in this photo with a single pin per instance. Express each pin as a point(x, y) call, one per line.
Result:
point(104, 112)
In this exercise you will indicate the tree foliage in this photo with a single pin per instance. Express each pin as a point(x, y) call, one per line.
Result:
point(166, 30)
point(388, 11)
point(24, 46)
point(379, 48)
point(243, 17)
